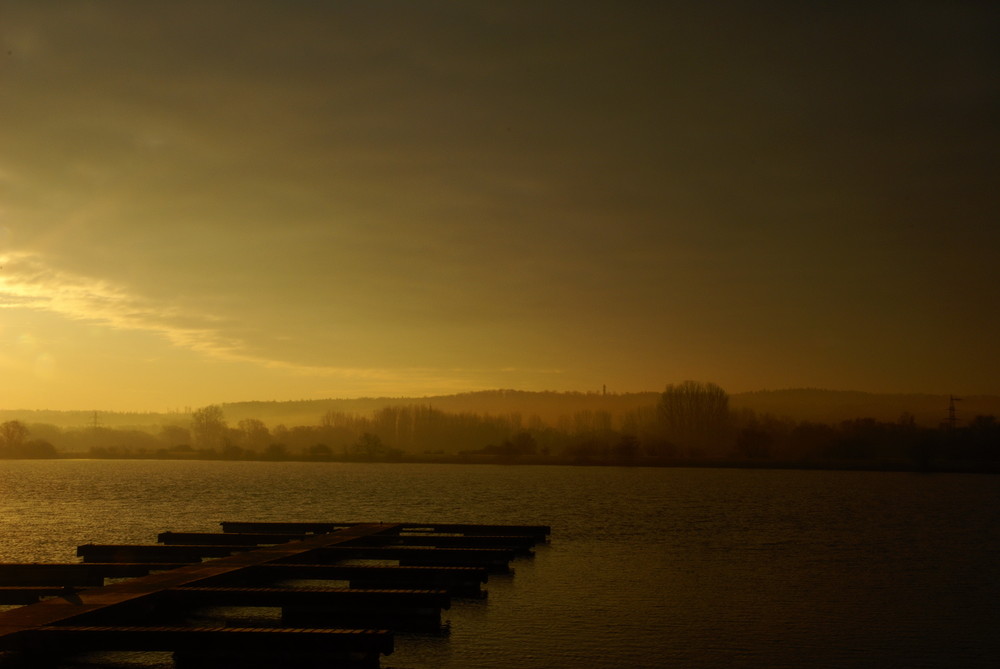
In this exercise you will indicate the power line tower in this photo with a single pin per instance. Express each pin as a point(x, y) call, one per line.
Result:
point(952, 416)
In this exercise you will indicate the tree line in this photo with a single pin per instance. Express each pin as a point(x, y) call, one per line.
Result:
point(690, 423)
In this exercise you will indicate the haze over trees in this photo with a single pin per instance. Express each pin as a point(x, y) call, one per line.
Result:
point(691, 423)
point(14, 442)
point(802, 404)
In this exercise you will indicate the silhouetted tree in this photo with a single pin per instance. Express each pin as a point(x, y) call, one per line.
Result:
point(175, 435)
point(12, 435)
point(753, 443)
point(33, 448)
point(627, 448)
point(338, 428)
point(519, 445)
point(524, 444)
point(979, 440)
point(319, 452)
point(810, 440)
point(233, 452)
point(696, 415)
point(280, 434)
point(276, 452)
point(587, 451)
point(859, 439)
point(253, 434)
point(369, 445)
point(208, 425)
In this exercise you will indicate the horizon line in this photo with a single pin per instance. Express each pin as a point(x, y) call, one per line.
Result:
point(393, 398)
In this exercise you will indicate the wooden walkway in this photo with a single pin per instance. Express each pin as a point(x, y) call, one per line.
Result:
point(419, 568)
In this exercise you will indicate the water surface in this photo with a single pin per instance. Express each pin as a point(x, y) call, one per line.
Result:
point(646, 567)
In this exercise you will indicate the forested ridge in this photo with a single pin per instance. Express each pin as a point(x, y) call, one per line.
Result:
point(810, 404)
point(688, 423)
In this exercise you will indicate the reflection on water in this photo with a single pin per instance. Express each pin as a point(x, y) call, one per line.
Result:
point(646, 567)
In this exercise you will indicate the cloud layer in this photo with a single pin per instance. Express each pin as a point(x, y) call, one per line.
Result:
point(447, 195)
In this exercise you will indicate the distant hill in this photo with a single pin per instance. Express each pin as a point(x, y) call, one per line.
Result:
point(548, 406)
point(834, 406)
point(804, 404)
point(114, 419)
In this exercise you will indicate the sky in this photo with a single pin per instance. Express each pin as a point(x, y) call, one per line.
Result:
point(206, 202)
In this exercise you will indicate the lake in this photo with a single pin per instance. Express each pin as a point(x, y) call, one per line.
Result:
point(645, 567)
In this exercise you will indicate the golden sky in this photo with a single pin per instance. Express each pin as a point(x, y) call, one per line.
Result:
point(220, 201)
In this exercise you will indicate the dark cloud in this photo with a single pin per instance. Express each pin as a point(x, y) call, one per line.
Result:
point(450, 167)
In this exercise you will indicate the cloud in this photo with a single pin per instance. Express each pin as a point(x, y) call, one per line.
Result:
point(29, 281)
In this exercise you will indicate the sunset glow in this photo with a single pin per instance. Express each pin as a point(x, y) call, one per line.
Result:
point(255, 201)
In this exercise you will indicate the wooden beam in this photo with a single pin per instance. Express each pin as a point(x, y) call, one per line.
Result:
point(326, 597)
point(78, 638)
point(29, 594)
point(227, 539)
point(521, 543)
point(16, 625)
point(76, 573)
point(153, 552)
point(537, 531)
point(458, 581)
point(496, 560)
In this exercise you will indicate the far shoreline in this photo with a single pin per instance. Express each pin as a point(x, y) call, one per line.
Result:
point(941, 467)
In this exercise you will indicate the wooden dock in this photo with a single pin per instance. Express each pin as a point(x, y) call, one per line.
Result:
point(389, 577)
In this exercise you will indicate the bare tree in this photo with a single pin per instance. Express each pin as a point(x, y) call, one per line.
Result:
point(12, 434)
point(254, 434)
point(696, 415)
point(175, 435)
point(208, 425)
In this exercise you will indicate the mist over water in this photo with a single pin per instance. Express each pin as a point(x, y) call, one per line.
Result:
point(646, 567)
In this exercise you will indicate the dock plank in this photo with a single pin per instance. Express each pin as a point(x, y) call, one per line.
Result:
point(76, 573)
point(253, 565)
point(227, 639)
point(57, 611)
point(538, 531)
point(313, 596)
point(231, 538)
point(154, 552)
